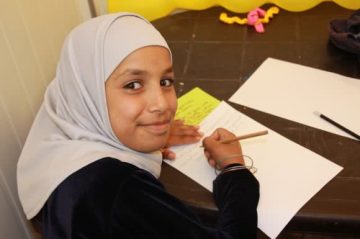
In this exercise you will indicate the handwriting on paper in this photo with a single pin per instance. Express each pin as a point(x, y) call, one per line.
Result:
point(195, 105)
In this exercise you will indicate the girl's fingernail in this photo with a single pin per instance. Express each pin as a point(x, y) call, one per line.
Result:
point(171, 155)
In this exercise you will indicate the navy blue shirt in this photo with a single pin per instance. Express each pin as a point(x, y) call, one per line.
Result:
point(113, 199)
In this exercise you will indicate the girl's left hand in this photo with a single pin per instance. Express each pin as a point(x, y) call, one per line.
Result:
point(181, 133)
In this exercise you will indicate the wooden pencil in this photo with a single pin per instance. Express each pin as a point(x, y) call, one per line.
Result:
point(245, 136)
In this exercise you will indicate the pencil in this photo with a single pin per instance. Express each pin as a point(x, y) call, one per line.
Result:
point(336, 124)
point(245, 136)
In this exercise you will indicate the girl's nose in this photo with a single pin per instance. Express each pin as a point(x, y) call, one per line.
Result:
point(158, 101)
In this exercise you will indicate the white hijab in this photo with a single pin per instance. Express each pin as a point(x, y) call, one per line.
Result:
point(72, 128)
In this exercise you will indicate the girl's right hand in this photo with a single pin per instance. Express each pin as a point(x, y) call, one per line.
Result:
point(219, 154)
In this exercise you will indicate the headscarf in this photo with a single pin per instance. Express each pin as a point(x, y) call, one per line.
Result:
point(72, 128)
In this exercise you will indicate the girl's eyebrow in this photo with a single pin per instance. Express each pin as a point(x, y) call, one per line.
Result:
point(131, 71)
point(169, 70)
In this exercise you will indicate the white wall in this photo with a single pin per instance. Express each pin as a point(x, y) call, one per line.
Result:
point(31, 35)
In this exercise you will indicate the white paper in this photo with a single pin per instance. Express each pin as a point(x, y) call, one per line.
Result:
point(294, 92)
point(289, 174)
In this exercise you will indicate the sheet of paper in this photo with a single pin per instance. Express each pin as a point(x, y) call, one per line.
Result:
point(294, 92)
point(195, 105)
point(281, 167)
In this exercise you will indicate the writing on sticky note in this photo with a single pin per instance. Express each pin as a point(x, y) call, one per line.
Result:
point(195, 105)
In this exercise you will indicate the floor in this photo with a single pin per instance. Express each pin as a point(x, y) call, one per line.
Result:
point(209, 54)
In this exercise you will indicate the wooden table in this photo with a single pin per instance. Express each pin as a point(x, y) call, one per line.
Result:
point(204, 54)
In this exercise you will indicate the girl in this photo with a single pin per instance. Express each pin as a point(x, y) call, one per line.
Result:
point(90, 164)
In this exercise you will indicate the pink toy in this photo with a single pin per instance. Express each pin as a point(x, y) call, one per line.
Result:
point(254, 17)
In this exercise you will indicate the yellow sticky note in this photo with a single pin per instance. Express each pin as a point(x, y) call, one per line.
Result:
point(195, 105)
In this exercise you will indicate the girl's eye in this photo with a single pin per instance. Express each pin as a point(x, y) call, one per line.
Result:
point(133, 85)
point(166, 82)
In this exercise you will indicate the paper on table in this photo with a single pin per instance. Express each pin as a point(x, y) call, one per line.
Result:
point(289, 175)
point(294, 92)
point(195, 105)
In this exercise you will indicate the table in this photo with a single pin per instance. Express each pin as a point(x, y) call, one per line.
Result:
point(219, 58)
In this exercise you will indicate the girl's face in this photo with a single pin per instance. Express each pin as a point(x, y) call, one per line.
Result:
point(141, 99)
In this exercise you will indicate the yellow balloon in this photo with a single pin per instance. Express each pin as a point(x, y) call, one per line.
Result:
point(153, 9)
point(241, 6)
point(150, 9)
point(195, 4)
point(350, 4)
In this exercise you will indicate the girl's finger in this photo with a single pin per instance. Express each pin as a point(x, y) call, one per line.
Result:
point(178, 140)
point(168, 154)
point(185, 130)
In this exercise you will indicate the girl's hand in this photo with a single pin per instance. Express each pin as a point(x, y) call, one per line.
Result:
point(181, 134)
point(219, 154)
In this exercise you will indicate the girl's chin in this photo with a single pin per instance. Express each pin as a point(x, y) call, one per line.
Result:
point(149, 147)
